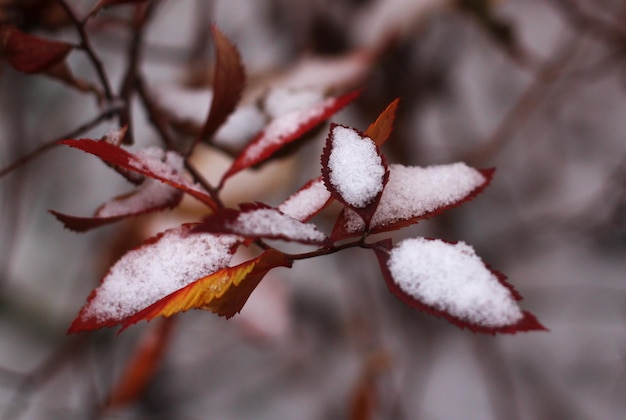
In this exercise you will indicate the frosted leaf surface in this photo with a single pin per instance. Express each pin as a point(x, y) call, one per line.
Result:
point(306, 202)
point(152, 193)
point(453, 279)
point(272, 223)
point(153, 271)
point(355, 168)
point(414, 191)
point(284, 127)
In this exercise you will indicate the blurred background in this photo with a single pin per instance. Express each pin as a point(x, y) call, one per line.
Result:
point(535, 88)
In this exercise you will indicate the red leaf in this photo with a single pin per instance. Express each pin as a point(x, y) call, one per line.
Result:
point(284, 130)
point(309, 200)
point(380, 130)
point(31, 54)
point(448, 280)
point(151, 196)
point(260, 221)
point(152, 168)
point(228, 83)
point(413, 194)
point(142, 366)
point(224, 292)
point(159, 267)
point(354, 170)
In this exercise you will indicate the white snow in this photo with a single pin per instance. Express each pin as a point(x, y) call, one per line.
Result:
point(307, 201)
point(283, 127)
point(272, 223)
point(280, 101)
point(152, 193)
point(453, 279)
point(151, 272)
point(414, 191)
point(356, 169)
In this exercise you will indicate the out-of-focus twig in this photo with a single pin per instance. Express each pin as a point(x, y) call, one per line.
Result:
point(88, 48)
point(106, 114)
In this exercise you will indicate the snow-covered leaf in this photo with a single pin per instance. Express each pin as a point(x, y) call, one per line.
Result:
point(151, 196)
point(309, 200)
point(380, 130)
point(228, 83)
point(286, 129)
point(144, 164)
point(353, 169)
point(162, 265)
point(224, 292)
point(416, 193)
point(451, 281)
point(260, 221)
point(31, 54)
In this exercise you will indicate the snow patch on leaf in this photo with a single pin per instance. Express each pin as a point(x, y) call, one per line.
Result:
point(152, 194)
point(146, 274)
point(356, 170)
point(306, 202)
point(453, 279)
point(284, 130)
point(272, 223)
point(412, 192)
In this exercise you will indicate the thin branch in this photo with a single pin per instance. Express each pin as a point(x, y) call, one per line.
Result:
point(159, 120)
point(88, 48)
point(109, 113)
point(129, 81)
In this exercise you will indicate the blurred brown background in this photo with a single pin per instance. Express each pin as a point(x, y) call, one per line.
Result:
point(535, 88)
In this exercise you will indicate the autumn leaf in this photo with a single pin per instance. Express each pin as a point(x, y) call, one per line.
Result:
point(286, 129)
point(380, 130)
point(162, 265)
point(151, 196)
point(142, 366)
point(449, 280)
point(354, 170)
point(32, 54)
point(309, 200)
point(224, 292)
point(153, 168)
point(417, 193)
point(256, 220)
point(228, 83)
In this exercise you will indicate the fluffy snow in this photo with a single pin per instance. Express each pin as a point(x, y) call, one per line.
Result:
point(280, 101)
point(152, 193)
point(356, 169)
point(272, 223)
point(453, 279)
point(285, 126)
point(151, 272)
point(306, 202)
point(414, 191)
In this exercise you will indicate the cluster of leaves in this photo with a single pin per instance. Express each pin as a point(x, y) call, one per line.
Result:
point(188, 267)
